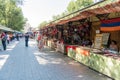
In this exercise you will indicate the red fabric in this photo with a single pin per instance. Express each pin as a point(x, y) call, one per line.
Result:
point(61, 41)
point(111, 20)
point(70, 46)
point(54, 31)
point(83, 52)
point(2, 35)
point(39, 37)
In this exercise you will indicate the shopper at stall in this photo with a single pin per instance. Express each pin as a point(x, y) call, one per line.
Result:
point(11, 37)
point(45, 39)
point(8, 38)
point(38, 38)
point(113, 46)
point(3, 39)
point(40, 41)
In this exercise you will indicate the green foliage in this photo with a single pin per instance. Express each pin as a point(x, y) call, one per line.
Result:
point(78, 4)
point(74, 6)
point(106, 2)
point(42, 24)
point(11, 15)
point(55, 17)
point(71, 6)
point(19, 2)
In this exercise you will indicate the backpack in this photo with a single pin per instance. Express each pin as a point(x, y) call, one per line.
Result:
point(4, 38)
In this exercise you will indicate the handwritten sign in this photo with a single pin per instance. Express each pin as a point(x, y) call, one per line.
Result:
point(98, 41)
point(105, 38)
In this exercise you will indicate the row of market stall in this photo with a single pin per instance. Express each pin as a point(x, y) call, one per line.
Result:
point(9, 32)
point(6, 29)
point(86, 38)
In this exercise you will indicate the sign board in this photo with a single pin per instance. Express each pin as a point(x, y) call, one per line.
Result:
point(98, 41)
point(97, 31)
point(105, 38)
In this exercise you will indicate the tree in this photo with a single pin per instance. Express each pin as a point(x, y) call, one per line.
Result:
point(78, 4)
point(42, 24)
point(55, 17)
point(11, 15)
point(71, 6)
point(17, 20)
point(19, 2)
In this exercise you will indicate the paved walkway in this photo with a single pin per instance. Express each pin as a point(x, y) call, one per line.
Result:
point(27, 63)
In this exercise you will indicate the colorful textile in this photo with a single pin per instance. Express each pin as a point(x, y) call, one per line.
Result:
point(110, 25)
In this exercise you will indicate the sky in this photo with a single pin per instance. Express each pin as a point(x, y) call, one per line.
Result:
point(37, 11)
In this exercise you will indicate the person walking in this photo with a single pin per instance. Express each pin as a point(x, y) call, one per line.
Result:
point(8, 38)
point(26, 39)
point(17, 37)
point(3, 39)
point(40, 41)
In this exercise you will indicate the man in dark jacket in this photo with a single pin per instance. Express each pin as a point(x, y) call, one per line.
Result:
point(26, 39)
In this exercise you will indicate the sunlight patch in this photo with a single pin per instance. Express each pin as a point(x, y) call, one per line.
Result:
point(41, 60)
point(32, 44)
point(3, 59)
point(55, 62)
point(80, 76)
point(11, 46)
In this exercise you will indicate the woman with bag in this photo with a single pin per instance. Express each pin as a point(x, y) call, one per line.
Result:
point(40, 41)
point(3, 39)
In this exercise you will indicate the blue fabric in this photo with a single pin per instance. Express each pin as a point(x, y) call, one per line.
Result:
point(110, 24)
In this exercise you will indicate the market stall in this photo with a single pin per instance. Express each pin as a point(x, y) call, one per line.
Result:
point(93, 26)
point(101, 61)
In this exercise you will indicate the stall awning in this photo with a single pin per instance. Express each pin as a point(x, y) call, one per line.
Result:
point(62, 22)
point(6, 28)
point(110, 8)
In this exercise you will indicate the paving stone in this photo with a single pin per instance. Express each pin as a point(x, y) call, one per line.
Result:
point(28, 63)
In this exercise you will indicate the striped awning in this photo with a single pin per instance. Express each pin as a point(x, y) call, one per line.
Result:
point(109, 8)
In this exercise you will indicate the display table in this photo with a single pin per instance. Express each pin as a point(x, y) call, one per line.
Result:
point(103, 63)
point(51, 44)
point(71, 50)
point(61, 47)
point(82, 55)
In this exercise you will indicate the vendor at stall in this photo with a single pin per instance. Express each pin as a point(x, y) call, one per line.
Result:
point(86, 42)
point(76, 38)
point(113, 46)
